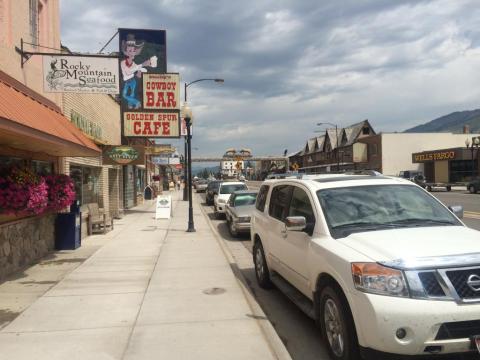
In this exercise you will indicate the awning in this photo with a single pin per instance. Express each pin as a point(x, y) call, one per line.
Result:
point(30, 122)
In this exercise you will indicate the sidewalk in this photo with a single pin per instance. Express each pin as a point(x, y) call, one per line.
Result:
point(152, 291)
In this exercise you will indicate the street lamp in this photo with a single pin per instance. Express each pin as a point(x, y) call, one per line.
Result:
point(336, 136)
point(475, 143)
point(188, 160)
point(187, 114)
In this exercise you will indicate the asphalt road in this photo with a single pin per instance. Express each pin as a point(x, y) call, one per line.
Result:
point(470, 203)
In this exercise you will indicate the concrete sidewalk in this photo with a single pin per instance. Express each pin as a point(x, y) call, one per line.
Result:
point(152, 291)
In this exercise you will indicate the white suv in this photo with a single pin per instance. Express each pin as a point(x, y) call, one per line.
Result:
point(224, 191)
point(385, 269)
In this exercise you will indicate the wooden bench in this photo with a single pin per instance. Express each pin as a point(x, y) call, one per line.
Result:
point(98, 219)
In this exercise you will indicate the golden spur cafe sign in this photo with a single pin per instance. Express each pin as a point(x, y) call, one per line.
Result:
point(78, 74)
point(434, 156)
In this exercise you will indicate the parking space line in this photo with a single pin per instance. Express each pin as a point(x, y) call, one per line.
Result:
point(471, 215)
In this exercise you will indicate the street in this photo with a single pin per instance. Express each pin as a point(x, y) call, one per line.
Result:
point(470, 203)
point(298, 332)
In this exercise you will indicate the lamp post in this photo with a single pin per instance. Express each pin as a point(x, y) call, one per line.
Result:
point(187, 113)
point(185, 169)
point(188, 153)
point(336, 136)
point(188, 161)
point(475, 143)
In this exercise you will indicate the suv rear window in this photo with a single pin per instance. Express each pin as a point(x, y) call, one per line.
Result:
point(230, 188)
point(262, 198)
point(214, 185)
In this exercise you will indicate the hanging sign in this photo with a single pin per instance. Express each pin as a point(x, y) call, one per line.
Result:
point(157, 160)
point(149, 97)
point(123, 155)
point(161, 91)
point(183, 126)
point(79, 74)
point(159, 149)
point(164, 207)
point(150, 124)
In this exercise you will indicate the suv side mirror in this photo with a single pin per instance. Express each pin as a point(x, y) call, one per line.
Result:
point(296, 223)
point(457, 210)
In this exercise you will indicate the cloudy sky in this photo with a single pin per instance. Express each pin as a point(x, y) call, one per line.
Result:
point(288, 65)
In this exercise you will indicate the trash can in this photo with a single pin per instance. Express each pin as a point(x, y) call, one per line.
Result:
point(148, 193)
point(68, 228)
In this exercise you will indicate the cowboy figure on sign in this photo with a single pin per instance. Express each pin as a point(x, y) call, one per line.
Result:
point(130, 48)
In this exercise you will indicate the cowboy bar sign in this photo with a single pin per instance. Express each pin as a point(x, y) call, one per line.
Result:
point(161, 91)
point(149, 96)
point(80, 74)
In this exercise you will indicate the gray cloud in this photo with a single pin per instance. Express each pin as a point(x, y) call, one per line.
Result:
point(290, 64)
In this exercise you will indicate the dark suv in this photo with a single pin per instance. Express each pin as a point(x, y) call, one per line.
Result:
point(212, 189)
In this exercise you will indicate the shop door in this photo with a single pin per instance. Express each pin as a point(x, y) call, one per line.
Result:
point(113, 192)
point(429, 169)
point(441, 171)
point(129, 186)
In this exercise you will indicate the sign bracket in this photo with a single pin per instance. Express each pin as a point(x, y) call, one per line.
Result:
point(26, 55)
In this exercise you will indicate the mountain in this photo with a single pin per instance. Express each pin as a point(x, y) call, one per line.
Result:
point(453, 122)
point(196, 169)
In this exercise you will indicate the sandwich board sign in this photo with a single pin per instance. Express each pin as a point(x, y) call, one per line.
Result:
point(164, 207)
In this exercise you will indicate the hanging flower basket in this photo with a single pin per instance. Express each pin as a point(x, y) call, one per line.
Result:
point(61, 191)
point(22, 193)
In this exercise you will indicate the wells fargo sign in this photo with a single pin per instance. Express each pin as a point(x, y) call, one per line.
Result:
point(434, 156)
point(123, 155)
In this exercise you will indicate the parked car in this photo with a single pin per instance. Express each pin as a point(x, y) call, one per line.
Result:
point(238, 211)
point(474, 186)
point(201, 185)
point(212, 189)
point(414, 176)
point(385, 269)
point(224, 192)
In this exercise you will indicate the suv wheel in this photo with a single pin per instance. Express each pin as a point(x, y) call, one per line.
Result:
point(261, 268)
point(472, 189)
point(337, 326)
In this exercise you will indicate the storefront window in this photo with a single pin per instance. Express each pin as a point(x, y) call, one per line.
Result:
point(42, 167)
point(461, 170)
point(39, 167)
point(7, 161)
point(86, 180)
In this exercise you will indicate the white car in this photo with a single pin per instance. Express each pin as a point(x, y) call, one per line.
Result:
point(385, 269)
point(224, 192)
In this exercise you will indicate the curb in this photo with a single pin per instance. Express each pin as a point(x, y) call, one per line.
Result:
point(275, 343)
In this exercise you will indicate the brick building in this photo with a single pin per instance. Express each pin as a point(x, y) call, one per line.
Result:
point(35, 136)
point(98, 117)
